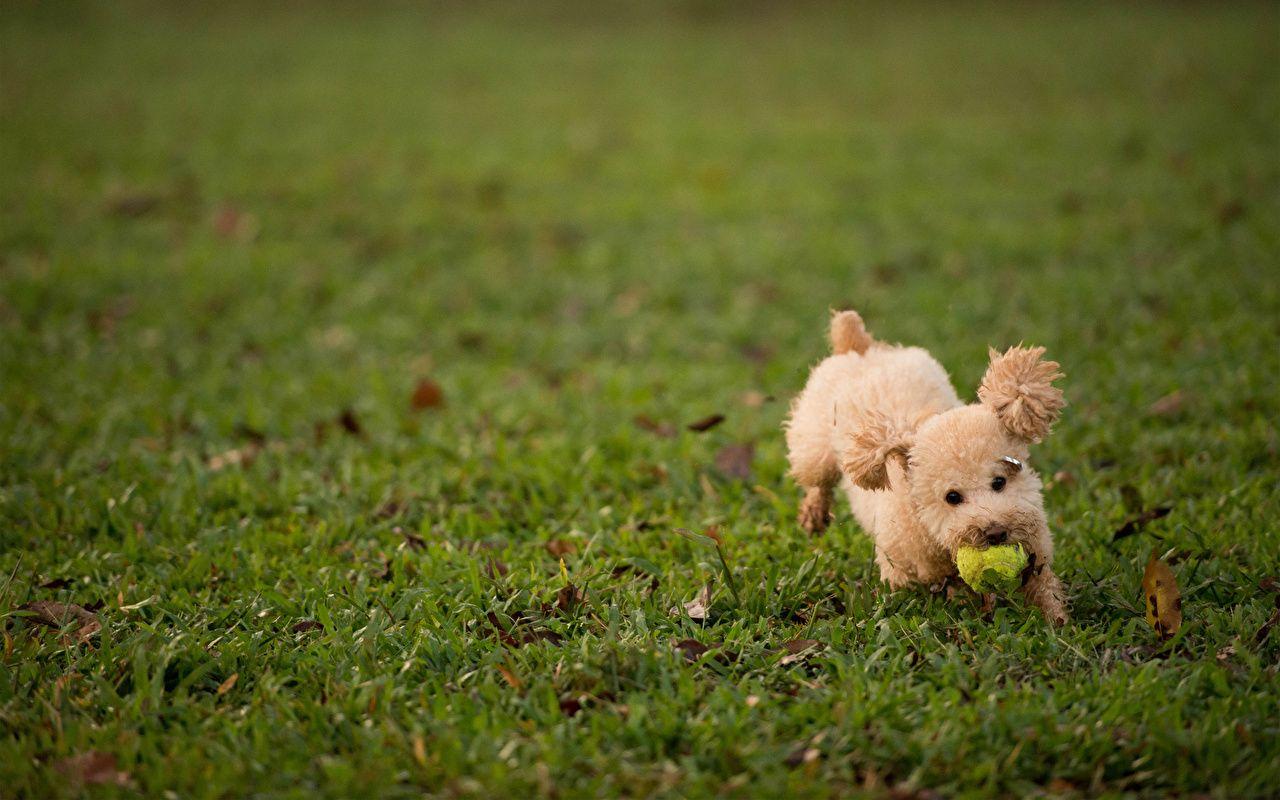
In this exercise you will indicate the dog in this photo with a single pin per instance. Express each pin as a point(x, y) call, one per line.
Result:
point(925, 473)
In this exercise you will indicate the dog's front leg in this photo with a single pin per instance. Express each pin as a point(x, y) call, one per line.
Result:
point(815, 508)
point(1043, 589)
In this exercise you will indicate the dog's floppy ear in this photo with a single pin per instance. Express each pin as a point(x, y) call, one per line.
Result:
point(872, 440)
point(1019, 390)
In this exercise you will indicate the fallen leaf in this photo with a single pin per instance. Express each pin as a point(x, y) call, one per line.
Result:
point(412, 539)
point(1265, 630)
point(754, 399)
point(570, 706)
point(797, 650)
point(93, 767)
point(1164, 602)
point(569, 597)
point(1064, 478)
point(302, 626)
point(561, 548)
point(427, 394)
point(133, 203)
point(495, 568)
point(804, 754)
point(1269, 585)
point(510, 677)
point(80, 623)
point(646, 423)
point(692, 649)
point(734, 460)
point(697, 608)
point(1137, 522)
point(1170, 405)
point(56, 583)
point(350, 423)
point(230, 222)
point(235, 457)
point(228, 684)
point(419, 750)
point(706, 423)
point(1230, 211)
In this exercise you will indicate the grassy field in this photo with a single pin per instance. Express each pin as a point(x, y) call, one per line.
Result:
point(234, 242)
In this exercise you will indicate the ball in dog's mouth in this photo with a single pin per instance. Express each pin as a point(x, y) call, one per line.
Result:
point(992, 569)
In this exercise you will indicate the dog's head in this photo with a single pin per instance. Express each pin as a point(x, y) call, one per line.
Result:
point(966, 470)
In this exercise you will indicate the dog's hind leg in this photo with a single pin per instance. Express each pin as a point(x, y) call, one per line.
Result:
point(813, 466)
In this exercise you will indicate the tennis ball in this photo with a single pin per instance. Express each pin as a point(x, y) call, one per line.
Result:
point(992, 569)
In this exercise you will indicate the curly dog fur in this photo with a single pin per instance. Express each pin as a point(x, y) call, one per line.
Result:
point(926, 474)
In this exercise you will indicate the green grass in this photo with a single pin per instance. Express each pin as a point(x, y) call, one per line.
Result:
point(222, 228)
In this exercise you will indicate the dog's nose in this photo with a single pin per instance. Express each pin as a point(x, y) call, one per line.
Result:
point(996, 534)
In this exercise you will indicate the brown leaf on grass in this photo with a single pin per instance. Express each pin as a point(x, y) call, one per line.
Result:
point(1230, 211)
point(235, 457)
point(1135, 523)
point(412, 539)
point(94, 767)
point(1164, 601)
point(350, 422)
point(692, 649)
point(797, 650)
point(1265, 630)
point(697, 608)
point(647, 423)
point(134, 204)
point(1171, 405)
point(495, 569)
point(228, 684)
point(734, 460)
point(510, 677)
point(706, 423)
point(427, 394)
point(1131, 498)
point(804, 754)
point(231, 223)
point(304, 625)
point(569, 597)
point(754, 399)
point(560, 548)
point(80, 623)
point(56, 583)
point(1270, 585)
point(570, 706)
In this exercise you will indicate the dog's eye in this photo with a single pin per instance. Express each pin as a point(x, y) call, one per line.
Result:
point(997, 483)
point(954, 498)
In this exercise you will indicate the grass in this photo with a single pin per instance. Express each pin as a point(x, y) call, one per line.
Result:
point(222, 229)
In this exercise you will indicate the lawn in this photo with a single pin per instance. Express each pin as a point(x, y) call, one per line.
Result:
point(348, 354)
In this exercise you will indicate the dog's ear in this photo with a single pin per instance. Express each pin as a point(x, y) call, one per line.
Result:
point(1019, 390)
point(872, 440)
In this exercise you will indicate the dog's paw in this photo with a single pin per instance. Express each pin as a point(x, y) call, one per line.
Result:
point(815, 511)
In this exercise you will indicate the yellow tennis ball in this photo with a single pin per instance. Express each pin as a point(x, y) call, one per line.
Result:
point(992, 569)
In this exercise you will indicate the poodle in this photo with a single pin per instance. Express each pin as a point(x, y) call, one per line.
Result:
point(925, 473)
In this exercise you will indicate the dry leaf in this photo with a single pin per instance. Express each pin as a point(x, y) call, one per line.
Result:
point(692, 649)
point(1138, 521)
point(754, 399)
point(697, 608)
point(230, 222)
point(1265, 630)
point(510, 677)
point(569, 597)
point(81, 623)
point(419, 750)
point(797, 650)
point(569, 706)
point(734, 460)
point(706, 423)
point(1170, 405)
point(133, 204)
point(561, 548)
point(646, 423)
point(1164, 603)
point(228, 684)
point(302, 626)
point(93, 767)
point(427, 394)
point(350, 422)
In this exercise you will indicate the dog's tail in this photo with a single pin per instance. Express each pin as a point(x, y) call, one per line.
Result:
point(848, 334)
